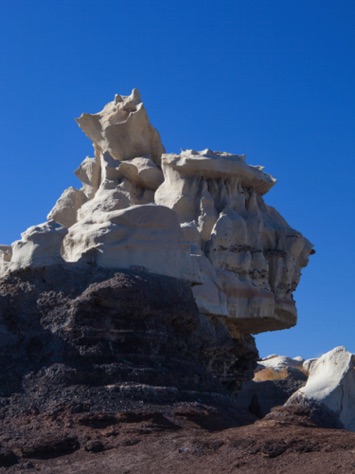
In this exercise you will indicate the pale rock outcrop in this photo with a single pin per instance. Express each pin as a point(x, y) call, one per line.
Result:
point(276, 378)
point(142, 172)
point(307, 364)
point(5, 257)
point(280, 363)
point(122, 128)
point(254, 256)
point(89, 173)
point(39, 246)
point(331, 383)
point(147, 238)
point(198, 216)
point(65, 210)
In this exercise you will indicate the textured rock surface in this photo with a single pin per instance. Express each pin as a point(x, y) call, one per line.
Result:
point(147, 237)
point(276, 379)
point(278, 364)
point(65, 328)
point(39, 246)
point(185, 437)
point(197, 216)
point(331, 383)
point(122, 129)
point(253, 256)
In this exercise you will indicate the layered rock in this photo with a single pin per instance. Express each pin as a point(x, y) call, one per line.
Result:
point(71, 332)
point(197, 216)
point(249, 257)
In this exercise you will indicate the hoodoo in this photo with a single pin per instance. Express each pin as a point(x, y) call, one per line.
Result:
point(197, 216)
point(137, 301)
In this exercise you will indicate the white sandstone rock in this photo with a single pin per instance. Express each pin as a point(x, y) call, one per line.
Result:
point(331, 382)
point(142, 172)
point(5, 257)
point(280, 363)
point(122, 128)
point(147, 237)
point(307, 365)
point(89, 173)
point(39, 246)
point(199, 216)
point(65, 210)
point(255, 254)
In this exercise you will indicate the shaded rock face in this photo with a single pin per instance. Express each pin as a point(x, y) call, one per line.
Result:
point(129, 334)
point(276, 379)
point(197, 216)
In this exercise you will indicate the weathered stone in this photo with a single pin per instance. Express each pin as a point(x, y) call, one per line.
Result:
point(89, 173)
point(276, 378)
point(131, 334)
point(65, 210)
point(122, 128)
point(255, 255)
point(5, 257)
point(199, 216)
point(143, 172)
point(331, 383)
point(147, 237)
point(39, 246)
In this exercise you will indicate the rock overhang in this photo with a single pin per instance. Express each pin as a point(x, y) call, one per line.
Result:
point(198, 216)
point(220, 165)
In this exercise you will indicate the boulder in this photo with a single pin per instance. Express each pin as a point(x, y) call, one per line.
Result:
point(331, 384)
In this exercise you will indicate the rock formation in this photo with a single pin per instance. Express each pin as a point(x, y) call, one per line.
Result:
point(197, 216)
point(64, 325)
point(330, 386)
point(275, 380)
point(130, 312)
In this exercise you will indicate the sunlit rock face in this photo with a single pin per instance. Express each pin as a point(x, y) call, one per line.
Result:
point(39, 246)
point(331, 384)
point(197, 216)
point(249, 257)
point(122, 129)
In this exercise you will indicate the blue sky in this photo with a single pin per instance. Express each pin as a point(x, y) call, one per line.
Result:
point(273, 79)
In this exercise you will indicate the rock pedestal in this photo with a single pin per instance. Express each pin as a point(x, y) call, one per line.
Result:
point(197, 216)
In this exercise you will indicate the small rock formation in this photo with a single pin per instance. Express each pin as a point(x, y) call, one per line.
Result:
point(197, 216)
point(331, 384)
point(123, 130)
point(321, 390)
point(276, 379)
point(40, 246)
point(277, 364)
point(5, 257)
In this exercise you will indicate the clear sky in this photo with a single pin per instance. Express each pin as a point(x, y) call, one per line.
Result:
point(273, 79)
